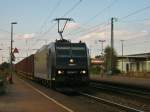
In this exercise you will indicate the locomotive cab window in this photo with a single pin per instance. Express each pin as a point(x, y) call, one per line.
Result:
point(78, 51)
point(63, 51)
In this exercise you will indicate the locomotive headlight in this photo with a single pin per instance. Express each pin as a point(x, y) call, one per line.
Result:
point(83, 71)
point(59, 72)
point(71, 60)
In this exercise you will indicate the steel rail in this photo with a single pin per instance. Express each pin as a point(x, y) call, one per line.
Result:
point(123, 107)
point(122, 90)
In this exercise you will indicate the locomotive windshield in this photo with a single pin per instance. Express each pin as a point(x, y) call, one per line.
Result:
point(78, 51)
point(73, 50)
point(63, 51)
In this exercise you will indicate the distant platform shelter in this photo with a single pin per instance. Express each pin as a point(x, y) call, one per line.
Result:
point(134, 63)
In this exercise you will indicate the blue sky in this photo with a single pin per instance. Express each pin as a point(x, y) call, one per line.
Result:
point(35, 21)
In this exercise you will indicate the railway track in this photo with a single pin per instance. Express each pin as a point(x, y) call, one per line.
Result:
point(123, 90)
point(108, 102)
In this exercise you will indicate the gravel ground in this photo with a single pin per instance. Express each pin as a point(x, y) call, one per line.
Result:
point(135, 102)
point(76, 102)
point(80, 103)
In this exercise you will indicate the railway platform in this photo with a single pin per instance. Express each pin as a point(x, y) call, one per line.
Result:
point(123, 80)
point(22, 98)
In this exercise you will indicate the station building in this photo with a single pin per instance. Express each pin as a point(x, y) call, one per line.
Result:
point(134, 63)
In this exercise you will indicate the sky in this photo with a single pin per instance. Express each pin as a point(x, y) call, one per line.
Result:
point(36, 26)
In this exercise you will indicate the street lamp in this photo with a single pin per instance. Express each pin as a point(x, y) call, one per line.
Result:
point(11, 53)
point(122, 53)
point(2, 56)
point(102, 41)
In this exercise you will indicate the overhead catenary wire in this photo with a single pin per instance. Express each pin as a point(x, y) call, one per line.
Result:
point(132, 13)
point(135, 12)
point(135, 20)
point(67, 12)
point(50, 15)
point(96, 15)
point(72, 8)
point(92, 28)
point(4, 30)
point(101, 11)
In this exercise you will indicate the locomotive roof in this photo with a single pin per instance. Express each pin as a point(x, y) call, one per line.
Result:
point(62, 41)
point(67, 42)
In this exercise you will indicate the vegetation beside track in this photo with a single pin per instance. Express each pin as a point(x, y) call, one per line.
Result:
point(4, 73)
point(95, 70)
point(2, 84)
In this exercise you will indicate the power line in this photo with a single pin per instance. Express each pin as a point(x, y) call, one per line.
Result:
point(135, 12)
point(4, 30)
point(131, 14)
point(91, 29)
point(137, 20)
point(137, 43)
point(102, 11)
point(69, 11)
point(95, 16)
point(84, 34)
point(72, 8)
point(50, 14)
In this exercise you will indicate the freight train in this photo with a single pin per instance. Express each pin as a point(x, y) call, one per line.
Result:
point(58, 64)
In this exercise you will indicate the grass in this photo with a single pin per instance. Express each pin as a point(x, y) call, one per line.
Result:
point(95, 70)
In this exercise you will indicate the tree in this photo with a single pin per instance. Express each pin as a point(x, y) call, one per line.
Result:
point(98, 57)
point(108, 52)
point(4, 65)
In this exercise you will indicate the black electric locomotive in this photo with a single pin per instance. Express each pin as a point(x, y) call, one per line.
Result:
point(62, 64)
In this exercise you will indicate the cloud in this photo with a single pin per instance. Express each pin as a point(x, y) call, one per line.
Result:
point(25, 36)
point(72, 26)
point(93, 35)
point(126, 34)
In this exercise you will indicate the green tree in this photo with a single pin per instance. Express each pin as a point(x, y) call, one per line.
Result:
point(4, 65)
point(110, 54)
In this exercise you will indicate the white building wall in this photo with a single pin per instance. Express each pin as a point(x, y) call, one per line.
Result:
point(144, 66)
point(125, 62)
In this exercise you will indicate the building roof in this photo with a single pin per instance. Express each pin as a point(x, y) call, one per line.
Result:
point(95, 61)
point(142, 55)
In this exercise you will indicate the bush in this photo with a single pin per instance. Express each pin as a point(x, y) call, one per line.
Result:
point(95, 70)
point(116, 71)
point(2, 86)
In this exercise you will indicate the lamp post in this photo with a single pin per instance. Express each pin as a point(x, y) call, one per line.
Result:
point(11, 53)
point(102, 41)
point(122, 53)
point(2, 56)
point(113, 19)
